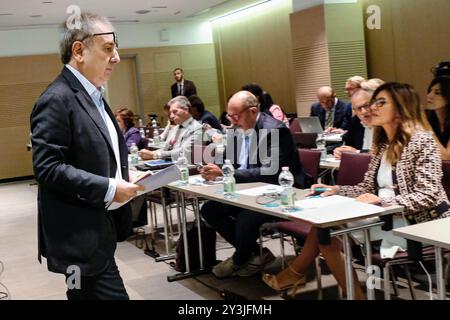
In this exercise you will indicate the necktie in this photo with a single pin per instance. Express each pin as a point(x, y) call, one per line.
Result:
point(329, 119)
point(175, 138)
point(244, 156)
point(180, 89)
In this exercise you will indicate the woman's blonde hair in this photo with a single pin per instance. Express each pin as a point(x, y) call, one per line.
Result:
point(411, 118)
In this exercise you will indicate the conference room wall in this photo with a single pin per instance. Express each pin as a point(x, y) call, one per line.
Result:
point(256, 47)
point(24, 78)
point(413, 37)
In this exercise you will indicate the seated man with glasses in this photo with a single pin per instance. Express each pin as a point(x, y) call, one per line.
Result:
point(180, 138)
point(359, 136)
point(258, 145)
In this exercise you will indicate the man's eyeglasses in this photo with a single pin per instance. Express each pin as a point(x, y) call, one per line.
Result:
point(377, 103)
point(365, 106)
point(116, 41)
point(237, 116)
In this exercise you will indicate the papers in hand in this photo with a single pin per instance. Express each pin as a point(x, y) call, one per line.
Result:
point(152, 181)
point(333, 208)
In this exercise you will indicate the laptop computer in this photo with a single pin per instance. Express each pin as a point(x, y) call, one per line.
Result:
point(310, 124)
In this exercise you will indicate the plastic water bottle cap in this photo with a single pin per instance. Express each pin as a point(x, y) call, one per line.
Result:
point(285, 168)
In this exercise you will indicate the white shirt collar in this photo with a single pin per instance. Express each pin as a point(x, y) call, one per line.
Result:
point(88, 86)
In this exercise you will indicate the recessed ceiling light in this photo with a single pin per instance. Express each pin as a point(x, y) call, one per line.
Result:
point(142, 11)
point(36, 16)
point(47, 1)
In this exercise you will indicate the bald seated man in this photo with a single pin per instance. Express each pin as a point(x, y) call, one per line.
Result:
point(334, 114)
point(240, 227)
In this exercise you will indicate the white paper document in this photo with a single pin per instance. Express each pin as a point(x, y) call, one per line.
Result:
point(199, 181)
point(333, 208)
point(270, 188)
point(152, 181)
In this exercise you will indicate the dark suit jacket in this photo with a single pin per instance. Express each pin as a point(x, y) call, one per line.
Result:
point(342, 114)
point(72, 160)
point(260, 162)
point(209, 118)
point(355, 134)
point(189, 89)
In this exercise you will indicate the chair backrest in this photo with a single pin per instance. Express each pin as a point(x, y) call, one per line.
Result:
point(295, 126)
point(352, 168)
point(446, 176)
point(310, 160)
point(305, 140)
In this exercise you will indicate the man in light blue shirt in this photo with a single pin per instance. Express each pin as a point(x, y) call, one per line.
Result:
point(80, 161)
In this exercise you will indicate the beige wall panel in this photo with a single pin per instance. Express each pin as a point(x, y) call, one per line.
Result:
point(122, 87)
point(257, 48)
point(17, 70)
point(16, 103)
point(167, 61)
point(308, 27)
point(413, 38)
point(15, 159)
point(310, 56)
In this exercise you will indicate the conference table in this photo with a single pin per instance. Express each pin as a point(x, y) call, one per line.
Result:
point(434, 233)
point(248, 201)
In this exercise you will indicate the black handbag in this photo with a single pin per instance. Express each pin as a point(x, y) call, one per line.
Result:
point(208, 245)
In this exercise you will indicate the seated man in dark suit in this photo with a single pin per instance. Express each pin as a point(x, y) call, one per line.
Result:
point(254, 132)
point(332, 112)
point(358, 138)
point(182, 87)
point(202, 115)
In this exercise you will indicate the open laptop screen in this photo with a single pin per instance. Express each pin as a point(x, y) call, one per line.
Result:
point(310, 124)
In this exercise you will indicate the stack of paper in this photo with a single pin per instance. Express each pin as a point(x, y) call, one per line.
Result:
point(333, 208)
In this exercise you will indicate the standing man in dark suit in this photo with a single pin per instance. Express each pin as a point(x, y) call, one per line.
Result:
point(333, 113)
point(263, 146)
point(182, 87)
point(80, 164)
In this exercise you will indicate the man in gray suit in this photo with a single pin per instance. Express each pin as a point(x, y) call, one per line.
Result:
point(81, 166)
point(181, 138)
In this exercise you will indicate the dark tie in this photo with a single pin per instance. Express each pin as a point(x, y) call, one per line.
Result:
point(180, 89)
point(175, 139)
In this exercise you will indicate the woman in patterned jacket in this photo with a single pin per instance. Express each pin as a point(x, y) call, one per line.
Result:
point(405, 169)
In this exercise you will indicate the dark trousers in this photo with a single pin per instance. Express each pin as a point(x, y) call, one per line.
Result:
point(238, 226)
point(107, 285)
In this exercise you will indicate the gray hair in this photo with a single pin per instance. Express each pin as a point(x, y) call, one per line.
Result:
point(371, 85)
point(87, 22)
point(356, 79)
point(183, 102)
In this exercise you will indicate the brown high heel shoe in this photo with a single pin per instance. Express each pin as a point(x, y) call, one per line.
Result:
point(272, 281)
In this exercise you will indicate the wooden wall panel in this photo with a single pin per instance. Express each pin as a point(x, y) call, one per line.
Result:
point(25, 78)
point(257, 48)
point(413, 38)
point(311, 59)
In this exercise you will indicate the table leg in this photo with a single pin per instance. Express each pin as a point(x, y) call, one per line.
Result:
point(440, 282)
point(348, 267)
point(368, 262)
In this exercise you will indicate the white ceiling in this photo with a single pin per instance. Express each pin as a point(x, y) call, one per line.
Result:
point(18, 14)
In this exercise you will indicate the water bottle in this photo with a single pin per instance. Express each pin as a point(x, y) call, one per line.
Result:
point(321, 146)
point(229, 183)
point(286, 181)
point(156, 137)
point(142, 132)
point(182, 164)
point(134, 154)
point(154, 124)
